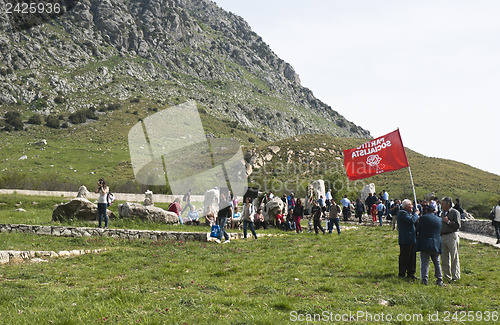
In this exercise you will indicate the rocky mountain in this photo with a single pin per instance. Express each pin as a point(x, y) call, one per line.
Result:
point(161, 51)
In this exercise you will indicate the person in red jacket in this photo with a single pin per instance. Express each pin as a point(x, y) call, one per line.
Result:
point(175, 207)
point(373, 211)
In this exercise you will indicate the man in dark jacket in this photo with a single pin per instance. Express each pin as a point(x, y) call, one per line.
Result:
point(317, 212)
point(406, 230)
point(225, 212)
point(429, 244)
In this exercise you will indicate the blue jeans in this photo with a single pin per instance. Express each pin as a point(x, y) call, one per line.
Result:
point(247, 223)
point(222, 224)
point(101, 211)
point(380, 215)
point(496, 224)
point(330, 225)
point(424, 267)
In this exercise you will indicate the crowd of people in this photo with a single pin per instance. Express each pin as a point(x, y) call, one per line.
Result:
point(429, 227)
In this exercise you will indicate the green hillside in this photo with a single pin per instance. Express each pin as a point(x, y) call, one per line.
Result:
point(85, 152)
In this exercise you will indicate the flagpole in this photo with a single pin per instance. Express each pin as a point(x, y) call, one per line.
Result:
point(413, 187)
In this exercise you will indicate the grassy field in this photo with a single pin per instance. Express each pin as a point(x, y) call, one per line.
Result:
point(272, 280)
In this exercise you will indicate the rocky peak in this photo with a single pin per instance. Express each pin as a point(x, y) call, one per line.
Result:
point(160, 49)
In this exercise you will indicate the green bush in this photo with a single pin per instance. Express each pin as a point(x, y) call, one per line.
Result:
point(11, 115)
point(59, 100)
point(90, 113)
point(78, 117)
point(114, 107)
point(35, 119)
point(52, 122)
point(17, 123)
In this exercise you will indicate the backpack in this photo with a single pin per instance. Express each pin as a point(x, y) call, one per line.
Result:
point(110, 198)
point(492, 213)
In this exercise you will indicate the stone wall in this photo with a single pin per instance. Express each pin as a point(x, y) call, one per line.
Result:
point(130, 197)
point(37, 256)
point(478, 226)
point(61, 231)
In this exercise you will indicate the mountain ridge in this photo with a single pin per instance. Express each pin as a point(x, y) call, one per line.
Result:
point(161, 50)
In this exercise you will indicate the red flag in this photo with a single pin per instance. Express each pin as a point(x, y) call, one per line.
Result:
point(380, 155)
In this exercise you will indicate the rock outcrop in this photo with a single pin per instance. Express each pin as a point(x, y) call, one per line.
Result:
point(147, 213)
point(148, 198)
point(369, 188)
point(78, 209)
point(82, 192)
point(159, 50)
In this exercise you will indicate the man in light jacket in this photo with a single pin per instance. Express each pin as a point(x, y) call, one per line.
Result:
point(450, 224)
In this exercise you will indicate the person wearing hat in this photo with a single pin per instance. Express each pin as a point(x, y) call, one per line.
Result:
point(428, 230)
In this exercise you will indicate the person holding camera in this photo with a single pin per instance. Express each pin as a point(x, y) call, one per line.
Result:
point(102, 203)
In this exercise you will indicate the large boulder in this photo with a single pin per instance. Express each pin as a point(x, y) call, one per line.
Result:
point(370, 188)
point(148, 198)
point(79, 209)
point(429, 196)
point(272, 208)
point(147, 213)
point(319, 188)
point(211, 202)
point(82, 192)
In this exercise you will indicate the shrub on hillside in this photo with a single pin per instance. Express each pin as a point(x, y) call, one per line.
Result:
point(78, 117)
point(17, 124)
point(35, 119)
point(11, 115)
point(13, 119)
point(90, 113)
point(59, 100)
point(114, 107)
point(52, 122)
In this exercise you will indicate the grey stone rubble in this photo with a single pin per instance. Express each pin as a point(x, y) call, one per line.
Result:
point(7, 257)
point(61, 231)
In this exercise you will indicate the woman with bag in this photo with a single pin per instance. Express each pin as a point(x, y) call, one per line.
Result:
point(298, 214)
point(248, 217)
point(102, 202)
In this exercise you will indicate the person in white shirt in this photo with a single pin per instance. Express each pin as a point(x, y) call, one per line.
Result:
point(102, 202)
point(346, 207)
point(328, 199)
point(496, 220)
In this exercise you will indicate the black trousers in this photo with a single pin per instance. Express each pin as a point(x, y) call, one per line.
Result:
point(317, 224)
point(407, 260)
point(346, 212)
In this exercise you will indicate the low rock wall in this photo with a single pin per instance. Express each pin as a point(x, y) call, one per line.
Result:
point(37, 256)
point(61, 231)
point(478, 226)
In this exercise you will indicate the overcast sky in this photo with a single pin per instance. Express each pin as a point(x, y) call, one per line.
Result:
point(431, 68)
